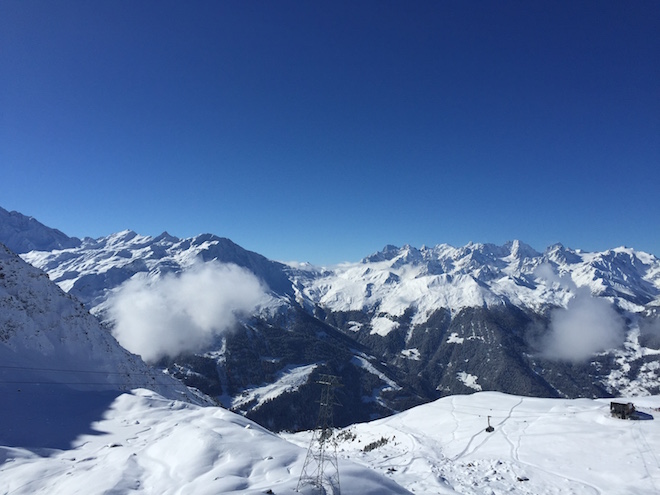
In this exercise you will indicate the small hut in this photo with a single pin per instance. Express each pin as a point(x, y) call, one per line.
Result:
point(622, 411)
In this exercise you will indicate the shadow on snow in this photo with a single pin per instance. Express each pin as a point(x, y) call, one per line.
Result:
point(46, 416)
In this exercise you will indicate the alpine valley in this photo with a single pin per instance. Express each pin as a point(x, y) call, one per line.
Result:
point(402, 327)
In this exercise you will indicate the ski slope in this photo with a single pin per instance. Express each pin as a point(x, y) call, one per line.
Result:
point(142, 442)
point(538, 447)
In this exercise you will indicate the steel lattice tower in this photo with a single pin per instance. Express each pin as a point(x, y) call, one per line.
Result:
point(321, 469)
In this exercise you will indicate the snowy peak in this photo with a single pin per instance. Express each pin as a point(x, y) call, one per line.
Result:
point(387, 253)
point(617, 273)
point(560, 255)
point(22, 234)
point(520, 250)
point(445, 258)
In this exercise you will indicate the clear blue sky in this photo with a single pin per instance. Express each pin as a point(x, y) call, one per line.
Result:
point(322, 130)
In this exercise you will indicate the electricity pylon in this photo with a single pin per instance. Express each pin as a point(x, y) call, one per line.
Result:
point(321, 469)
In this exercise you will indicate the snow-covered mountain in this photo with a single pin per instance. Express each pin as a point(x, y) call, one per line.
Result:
point(507, 318)
point(22, 234)
point(396, 280)
point(402, 326)
point(95, 267)
point(79, 413)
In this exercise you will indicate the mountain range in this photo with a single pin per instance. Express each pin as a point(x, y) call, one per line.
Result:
point(401, 327)
point(81, 414)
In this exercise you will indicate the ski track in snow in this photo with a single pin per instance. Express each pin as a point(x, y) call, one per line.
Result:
point(649, 458)
point(487, 435)
point(515, 448)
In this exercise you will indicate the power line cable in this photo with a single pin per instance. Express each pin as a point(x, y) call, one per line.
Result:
point(57, 370)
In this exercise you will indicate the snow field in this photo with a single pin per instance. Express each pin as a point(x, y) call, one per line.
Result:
point(148, 444)
point(538, 447)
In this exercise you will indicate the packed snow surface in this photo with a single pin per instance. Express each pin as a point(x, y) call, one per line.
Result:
point(145, 443)
point(537, 447)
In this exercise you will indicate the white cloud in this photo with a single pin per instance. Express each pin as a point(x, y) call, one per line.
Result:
point(547, 273)
point(650, 326)
point(180, 313)
point(586, 326)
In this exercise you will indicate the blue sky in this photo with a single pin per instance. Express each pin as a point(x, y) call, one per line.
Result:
point(321, 131)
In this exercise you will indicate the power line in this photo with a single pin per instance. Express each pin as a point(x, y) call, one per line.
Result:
point(516, 415)
point(132, 378)
point(42, 382)
point(57, 370)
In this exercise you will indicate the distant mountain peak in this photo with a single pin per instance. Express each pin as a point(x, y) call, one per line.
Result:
point(165, 236)
point(521, 250)
point(387, 253)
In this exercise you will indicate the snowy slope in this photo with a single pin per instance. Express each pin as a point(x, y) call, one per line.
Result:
point(22, 234)
point(148, 444)
point(538, 446)
point(48, 339)
point(289, 380)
